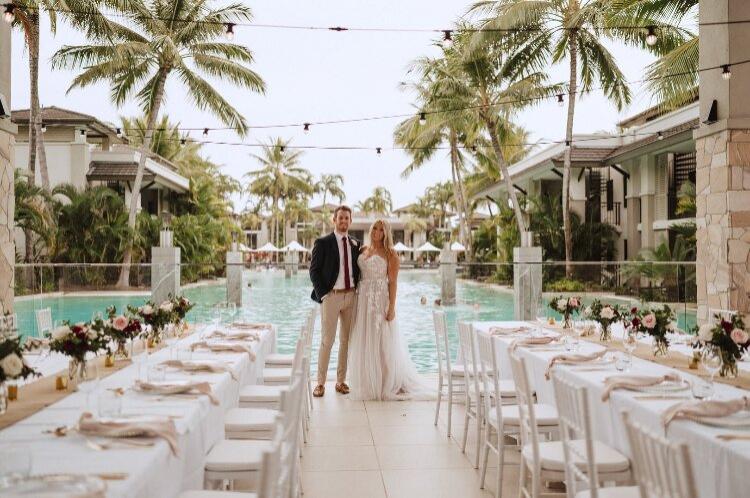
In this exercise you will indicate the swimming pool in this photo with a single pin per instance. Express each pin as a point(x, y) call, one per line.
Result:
point(285, 302)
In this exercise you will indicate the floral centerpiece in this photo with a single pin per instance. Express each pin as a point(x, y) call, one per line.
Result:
point(181, 306)
point(76, 341)
point(156, 317)
point(729, 336)
point(656, 322)
point(606, 315)
point(566, 307)
point(119, 328)
point(12, 366)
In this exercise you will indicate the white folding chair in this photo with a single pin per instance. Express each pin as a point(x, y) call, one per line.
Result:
point(661, 468)
point(9, 322)
point(582, 458)
point(233, 459)
point(473, 394)
point(450, 376)
point(503, 419)
point(43, 321)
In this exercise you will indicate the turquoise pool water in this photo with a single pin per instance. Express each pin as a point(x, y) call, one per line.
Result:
point(285, 302)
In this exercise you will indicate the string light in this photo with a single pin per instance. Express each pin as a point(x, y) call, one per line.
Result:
point(560, 100)
point(474, 149)
point(205, 132)
point(422, 118)
point(229, 33)
point(183, 141)
point(726, 72)
point(567, 144)
point(379, 150)
point(660, 135)
point(281, 149)
point(447, 39)
point(44, 128)
point(9, 14)
point(306, 128)
point(118, 132)
point(651, 37)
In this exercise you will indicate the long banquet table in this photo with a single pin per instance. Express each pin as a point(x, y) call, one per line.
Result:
point(149, 471)
point(720, 467)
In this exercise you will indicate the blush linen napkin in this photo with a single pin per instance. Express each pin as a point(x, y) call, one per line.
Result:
point(200, 366)
point(573, 359)
point(250, 326)
point(121, 428)
point(496, 330)
point(695, 410)
point(532, 341)
point(635, 382)
point(177, 388)
point(224, 347)
point(234, 336)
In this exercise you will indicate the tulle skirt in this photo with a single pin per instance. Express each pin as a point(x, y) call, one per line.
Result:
point(379, 364)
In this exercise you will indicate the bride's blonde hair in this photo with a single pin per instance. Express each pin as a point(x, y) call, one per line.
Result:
point(387, 236)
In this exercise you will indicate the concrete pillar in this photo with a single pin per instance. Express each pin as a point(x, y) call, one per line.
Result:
point(165, 268)
point(723, 161)
point(7, 196)
point(288, 265)
point(448, 266)
point(235, 265)
point(527, 281)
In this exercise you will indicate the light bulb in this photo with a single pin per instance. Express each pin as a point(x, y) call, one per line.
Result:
point(379, 150)
point(229, 33)
point(651, 37)
point(447, 39)
point(726, 72)
point(422, 118)
point(9, 13)
point(183, 141)
point(660, 135)
point(205, 132)
point(306, 128)
point(44, 128)
point(118, 132)
point(560, 100)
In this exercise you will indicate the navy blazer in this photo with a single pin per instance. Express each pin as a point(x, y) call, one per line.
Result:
point(324, 266)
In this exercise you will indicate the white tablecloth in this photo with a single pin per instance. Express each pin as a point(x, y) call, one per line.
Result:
point(721, 468)
point(152, 471)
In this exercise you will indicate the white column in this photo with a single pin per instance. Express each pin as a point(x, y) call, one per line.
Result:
point(448, 275)
point(234, 276)
point(527, 280)
point(165, 268)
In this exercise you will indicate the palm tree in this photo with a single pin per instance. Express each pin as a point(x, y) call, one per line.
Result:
point(554, 31)
point(170, 38)
point(280, 178)
point(33, 213)
point(331, 184)
point(379, 202)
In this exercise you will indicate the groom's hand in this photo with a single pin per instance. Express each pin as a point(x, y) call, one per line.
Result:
point(390, 315)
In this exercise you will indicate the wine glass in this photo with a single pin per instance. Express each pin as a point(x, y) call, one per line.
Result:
point(90, 381)
point(541, 315)
point(711, 360)
point(629, 343)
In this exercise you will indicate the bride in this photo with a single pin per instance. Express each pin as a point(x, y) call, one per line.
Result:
point(379, 361)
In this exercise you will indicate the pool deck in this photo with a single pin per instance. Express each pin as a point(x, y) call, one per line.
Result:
point(376, 449)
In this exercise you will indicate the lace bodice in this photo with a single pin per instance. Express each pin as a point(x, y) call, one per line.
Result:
point(373, 267)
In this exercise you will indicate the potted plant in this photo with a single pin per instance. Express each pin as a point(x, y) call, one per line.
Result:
point(729, 336)
point(566, 307)
point(656, 322)
point(120, 329)
point(76, 341)
point(606, 315)
point(12, 366)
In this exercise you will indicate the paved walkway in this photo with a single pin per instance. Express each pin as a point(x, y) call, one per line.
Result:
point(392, 449)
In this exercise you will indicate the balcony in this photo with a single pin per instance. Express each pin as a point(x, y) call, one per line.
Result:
point(598, 212)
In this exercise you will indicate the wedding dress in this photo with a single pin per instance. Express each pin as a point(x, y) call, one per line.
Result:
point(380, 367)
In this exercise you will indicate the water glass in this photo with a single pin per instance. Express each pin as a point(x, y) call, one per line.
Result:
point(15, 461)
point(90, 383)
point(156, 373)
point(622, 362)
point(712, 362)
point(141, 363)
point(702, 389)
point(110, 404)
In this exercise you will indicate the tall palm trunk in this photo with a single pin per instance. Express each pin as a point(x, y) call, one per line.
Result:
point(573, 89)
point(124, 280)
point(453, 140)
point(35, 115)
point(467, 215)
point(503, 166)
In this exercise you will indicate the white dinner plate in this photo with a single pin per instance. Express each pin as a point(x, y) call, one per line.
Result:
point(666, 387)
point(739, 420)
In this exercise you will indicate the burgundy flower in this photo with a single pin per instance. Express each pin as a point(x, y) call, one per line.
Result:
point(727, 326)
point(634, 310)
point(636, 322)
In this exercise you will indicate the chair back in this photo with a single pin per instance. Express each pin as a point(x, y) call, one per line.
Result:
point(441, 343)
point(661, 468)
point(270, 469)
point(528, 429)
point(43, 321)
point(299, 355)
point(468, 354)
point(489, 373)
point(575, 424)
point(8, 323)
point(291, 409)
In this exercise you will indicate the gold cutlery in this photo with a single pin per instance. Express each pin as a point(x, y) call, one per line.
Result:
point(734, 437)
point(661, 397)
point(112, 476)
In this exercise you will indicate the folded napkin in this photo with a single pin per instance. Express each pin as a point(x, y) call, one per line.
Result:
point(695, 410)
point(251, 326)
point(156, 427)
point(508, 330)
point(532, 341)
point(178, 388)
point(200, 366)
point(573, 359)
point(634, 382)
point(219, 347)
point(235, 336)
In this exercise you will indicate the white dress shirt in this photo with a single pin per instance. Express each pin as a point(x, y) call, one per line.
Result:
point(340, 282)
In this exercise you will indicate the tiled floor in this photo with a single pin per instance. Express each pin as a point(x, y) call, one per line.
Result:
point(392, 449)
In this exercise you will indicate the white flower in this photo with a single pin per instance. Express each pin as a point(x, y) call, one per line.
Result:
point(12, 365)
point(671, 326)
point(166, 306)
point(562, 304)
point(607, 313)
point(706, 332)
point(146, 310)
point(587, 311)
point(61, 333)
point(92, 334)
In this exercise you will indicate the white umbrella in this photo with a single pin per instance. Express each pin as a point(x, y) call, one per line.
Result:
point(294, 247)
point(401, 247)
point(457, 247)
point(244, 248)
point(267, 247)
point(426, 247)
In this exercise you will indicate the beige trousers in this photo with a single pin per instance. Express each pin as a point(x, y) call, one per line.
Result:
point(334, 307)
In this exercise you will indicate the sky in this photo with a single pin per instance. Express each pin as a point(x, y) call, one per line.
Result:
point(325, 75)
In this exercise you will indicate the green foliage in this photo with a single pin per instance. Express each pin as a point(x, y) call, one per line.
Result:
point(566, 285)
point(379, 202)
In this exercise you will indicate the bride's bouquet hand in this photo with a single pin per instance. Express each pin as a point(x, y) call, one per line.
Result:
point(390, 315)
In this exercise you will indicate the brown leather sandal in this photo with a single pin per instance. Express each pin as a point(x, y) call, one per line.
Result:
point(319, 391)
point(342, 388)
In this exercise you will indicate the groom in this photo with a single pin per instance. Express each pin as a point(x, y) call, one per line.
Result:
point(334, 273)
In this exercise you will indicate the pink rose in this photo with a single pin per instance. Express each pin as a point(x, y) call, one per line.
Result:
point(120, 322)
point(739, 336)
point(573, 302)
point(649, 321)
